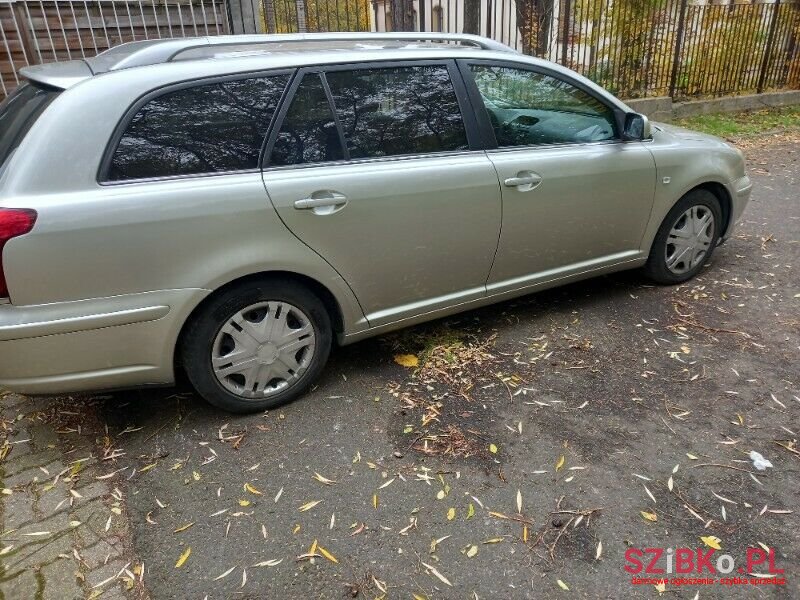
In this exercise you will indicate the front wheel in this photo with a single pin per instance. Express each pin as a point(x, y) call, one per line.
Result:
point(257, 346)
point(686, 238)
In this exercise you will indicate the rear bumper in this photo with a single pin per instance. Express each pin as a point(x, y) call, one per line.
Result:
point(103, 343)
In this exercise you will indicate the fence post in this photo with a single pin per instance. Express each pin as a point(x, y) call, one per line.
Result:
point(768, 49)
point(565, 32)
point(24, 27)
point(673, 80)
point(302, 25)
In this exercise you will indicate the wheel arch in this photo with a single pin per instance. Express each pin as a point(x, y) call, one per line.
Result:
point(327, 298)
point(714, 187)
point(723, 195)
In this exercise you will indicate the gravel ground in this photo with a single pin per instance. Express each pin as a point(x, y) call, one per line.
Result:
point(534, 443)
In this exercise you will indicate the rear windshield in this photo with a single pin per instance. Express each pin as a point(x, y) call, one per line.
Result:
point(19, 112)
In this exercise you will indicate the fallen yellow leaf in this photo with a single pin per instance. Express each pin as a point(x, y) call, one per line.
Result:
point(309, 505)
point(649, 516)
point(451, 514)
point(252, 490)
point(492, 448)
point(712, 541)
point(327, 554)
point(406, 360)
point(560, 463)
point(183, 558)
point(323, 480)
point(562, 585)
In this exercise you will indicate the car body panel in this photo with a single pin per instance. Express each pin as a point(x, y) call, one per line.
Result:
point(431, 222)
point(106, 280)
point(593, 201)
point(93, 344)
point(687, 159)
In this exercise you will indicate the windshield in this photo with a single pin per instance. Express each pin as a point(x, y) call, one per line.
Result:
point(19, 112)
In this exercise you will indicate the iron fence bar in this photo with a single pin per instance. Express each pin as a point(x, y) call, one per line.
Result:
point(768, 50)
point(10, 60)
point(678, 43)
point(77, 28)
point(22, 36)
point(781, 67)
point(565, 33)
point(103, 23)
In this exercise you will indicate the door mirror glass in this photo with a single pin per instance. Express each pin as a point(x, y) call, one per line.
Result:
point(637, 127)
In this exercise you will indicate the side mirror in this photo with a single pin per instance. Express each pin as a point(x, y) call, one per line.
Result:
point(637, 127)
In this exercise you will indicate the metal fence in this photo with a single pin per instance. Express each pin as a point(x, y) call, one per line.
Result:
point(36, 31)
point(635, 48)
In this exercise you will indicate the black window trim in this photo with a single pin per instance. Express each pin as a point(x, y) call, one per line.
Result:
point(133, 109)
point(485, 125)
point(465, 106)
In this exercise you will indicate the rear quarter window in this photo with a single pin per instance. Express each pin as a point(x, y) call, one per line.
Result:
point(19, 112)
point(212, 128)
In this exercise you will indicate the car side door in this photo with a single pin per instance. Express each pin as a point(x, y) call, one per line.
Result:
point(575, 196)
point(377, 168)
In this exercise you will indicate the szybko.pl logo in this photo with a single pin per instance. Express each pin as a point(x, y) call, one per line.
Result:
point(688, 561)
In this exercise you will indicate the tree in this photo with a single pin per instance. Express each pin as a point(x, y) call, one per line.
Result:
point(472, 16)
point(535, 18)
point(402, 15)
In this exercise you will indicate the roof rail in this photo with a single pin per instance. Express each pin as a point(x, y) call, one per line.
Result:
point(151, 52)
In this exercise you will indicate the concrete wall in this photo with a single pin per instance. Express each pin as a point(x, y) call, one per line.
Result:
point(664, 109)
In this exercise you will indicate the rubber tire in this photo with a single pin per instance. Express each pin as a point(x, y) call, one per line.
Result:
point(204, 326)
point(656, 266)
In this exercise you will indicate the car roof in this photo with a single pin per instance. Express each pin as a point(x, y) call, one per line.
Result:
point(313, 47)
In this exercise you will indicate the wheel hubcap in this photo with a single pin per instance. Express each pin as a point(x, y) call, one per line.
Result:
point(263, 349)
point(690, 239)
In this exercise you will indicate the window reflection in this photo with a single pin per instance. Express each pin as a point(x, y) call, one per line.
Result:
point(308, 133)
point(393, 111)
point(526, 107)
point(203, 129)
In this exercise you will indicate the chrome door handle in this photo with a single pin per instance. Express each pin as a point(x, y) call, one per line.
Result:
point(524, 181)
point(328, 199)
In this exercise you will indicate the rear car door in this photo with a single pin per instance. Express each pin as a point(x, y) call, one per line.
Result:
point(575, 197)
point(378, 169)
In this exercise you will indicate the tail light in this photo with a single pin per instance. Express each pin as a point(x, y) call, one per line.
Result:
point(13, 222)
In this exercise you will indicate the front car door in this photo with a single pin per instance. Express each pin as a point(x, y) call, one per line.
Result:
point(575, 197)
point(375, 168)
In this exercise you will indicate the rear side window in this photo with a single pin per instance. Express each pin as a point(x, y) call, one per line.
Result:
point(398, 110)
point(19, 112)
point(308, 133)
point(210, 128)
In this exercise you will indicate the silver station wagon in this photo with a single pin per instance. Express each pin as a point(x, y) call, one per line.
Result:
point(232, 206)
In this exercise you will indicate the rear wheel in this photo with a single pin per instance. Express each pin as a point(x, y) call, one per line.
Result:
point(257, 345)
point(686, 238)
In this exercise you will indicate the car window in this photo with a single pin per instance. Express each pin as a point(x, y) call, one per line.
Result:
point(19, 112)
point(398, 110)
point(530, 108)
point(308, 133)
point(210, 128)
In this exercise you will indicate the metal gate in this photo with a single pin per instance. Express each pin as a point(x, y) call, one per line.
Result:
point(36, 31)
